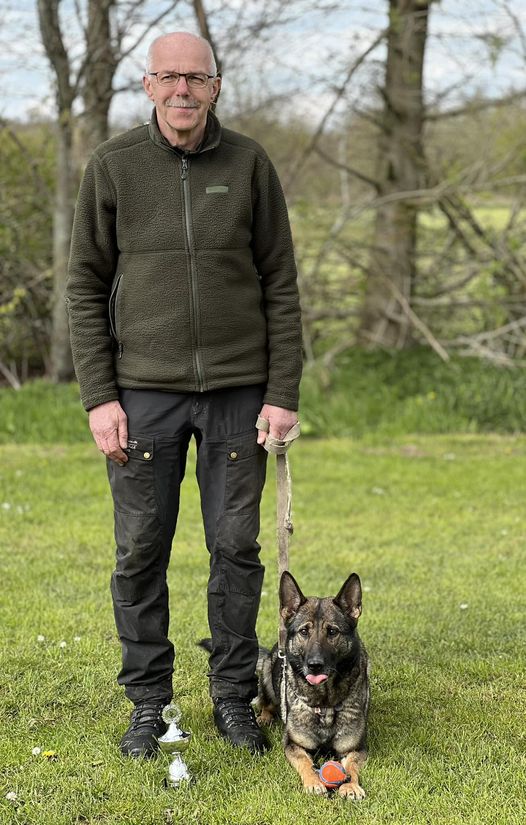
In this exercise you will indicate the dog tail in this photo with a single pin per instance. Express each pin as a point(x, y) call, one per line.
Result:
point(206, 644)
point(263, 652)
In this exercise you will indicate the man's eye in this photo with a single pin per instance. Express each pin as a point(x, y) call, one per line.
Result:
point(168, 78)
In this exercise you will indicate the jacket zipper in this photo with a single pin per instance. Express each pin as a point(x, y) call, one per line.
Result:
point(193, 271)
point(113, 315)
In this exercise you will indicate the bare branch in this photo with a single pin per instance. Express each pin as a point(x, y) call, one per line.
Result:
point(415, 320)
point(349, 169)
point(340, 91)
point(50, 30)
point(10, 377)
point(479, 106)
point(204, 28)
point(145, 32)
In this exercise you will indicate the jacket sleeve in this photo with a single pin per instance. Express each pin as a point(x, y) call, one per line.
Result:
point(92, 266)
point(274, 260)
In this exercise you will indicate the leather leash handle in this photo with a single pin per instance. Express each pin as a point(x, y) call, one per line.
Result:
point(283, 502)
point(285, 529)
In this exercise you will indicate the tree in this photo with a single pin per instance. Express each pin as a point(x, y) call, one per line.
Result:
point(401, 170)
point(61, 364)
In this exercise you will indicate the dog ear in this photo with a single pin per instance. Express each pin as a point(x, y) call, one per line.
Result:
point(290, 596)
point(349, 599)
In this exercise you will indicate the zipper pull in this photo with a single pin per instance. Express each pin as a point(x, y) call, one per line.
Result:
point(184, 167)
point(119, 349)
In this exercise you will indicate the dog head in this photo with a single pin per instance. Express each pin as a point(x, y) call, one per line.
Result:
point(322, 642)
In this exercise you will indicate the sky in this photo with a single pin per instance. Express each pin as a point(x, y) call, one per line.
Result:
point(303, 58)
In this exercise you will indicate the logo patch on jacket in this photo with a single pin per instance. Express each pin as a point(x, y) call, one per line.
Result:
point(216, 190)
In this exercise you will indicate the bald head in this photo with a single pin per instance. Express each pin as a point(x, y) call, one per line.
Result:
point(182, 82)
point(180, 42)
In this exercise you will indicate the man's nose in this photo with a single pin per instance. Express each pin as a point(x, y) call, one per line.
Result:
point(182, 86)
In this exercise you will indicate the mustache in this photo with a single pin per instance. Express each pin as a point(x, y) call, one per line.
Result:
point(182, 103)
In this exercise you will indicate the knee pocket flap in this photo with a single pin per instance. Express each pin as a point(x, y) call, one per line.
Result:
point(245, 473)
point(133, 484)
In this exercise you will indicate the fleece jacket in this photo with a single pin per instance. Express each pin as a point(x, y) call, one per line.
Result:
point(182, 273)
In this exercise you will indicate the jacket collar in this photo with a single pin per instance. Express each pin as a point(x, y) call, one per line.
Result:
point(211, 139)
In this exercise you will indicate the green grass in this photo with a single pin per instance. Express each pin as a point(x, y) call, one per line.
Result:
point(435, 526)
point(372, 395)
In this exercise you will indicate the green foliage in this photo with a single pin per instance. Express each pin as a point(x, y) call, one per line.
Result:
point(382, 394)
point(27, 163)
point(42, 413)
point(434, 527)
point(372, 394)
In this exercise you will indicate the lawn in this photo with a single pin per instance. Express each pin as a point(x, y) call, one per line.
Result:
point(434, 525)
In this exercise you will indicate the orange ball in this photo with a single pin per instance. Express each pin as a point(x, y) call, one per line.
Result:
point(332, 774)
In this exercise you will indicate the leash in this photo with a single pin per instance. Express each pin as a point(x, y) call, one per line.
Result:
point(285, 528)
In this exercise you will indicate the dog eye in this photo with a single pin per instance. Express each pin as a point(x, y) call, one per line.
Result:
point(332, 631)
point(303, 631)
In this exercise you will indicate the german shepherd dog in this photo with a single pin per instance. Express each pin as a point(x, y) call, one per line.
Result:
point(319, 684)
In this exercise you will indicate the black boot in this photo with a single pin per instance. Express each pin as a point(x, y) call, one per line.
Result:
point(140, 740)
point(236, 721)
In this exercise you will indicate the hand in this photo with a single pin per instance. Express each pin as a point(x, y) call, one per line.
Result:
point(109, 426)
point(280, 421)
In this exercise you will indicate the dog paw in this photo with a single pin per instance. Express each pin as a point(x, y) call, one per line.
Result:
point(313, 785)
point(265, 718)
point(351, 790)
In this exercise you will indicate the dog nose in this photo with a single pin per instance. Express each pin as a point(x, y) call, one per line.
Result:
point(315, 664)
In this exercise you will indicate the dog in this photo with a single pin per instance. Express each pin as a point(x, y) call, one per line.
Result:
point(319, 684)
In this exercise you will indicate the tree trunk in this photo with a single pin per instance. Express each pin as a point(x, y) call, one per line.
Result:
point(66, 186)
point(61, 368)
point(401, 169)
point(100, 67)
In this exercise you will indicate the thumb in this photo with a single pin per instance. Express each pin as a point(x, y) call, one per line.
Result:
point(123, 432)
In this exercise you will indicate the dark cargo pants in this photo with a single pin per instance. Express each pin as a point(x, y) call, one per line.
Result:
point(231, 475)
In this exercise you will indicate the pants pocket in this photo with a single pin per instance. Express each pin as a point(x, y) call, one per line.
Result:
point(133, 484)
point(245, 473)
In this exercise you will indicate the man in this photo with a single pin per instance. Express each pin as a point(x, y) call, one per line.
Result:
point(184, 321)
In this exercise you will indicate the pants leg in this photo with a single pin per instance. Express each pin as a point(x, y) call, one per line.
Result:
point(146, 504)
point(231, 473)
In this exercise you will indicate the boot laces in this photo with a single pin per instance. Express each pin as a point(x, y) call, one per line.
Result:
point(146, 714)
point(237, 712)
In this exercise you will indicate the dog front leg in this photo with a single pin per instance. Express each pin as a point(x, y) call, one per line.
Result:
point(301, 761)
point(352, 763)
point(267, 714)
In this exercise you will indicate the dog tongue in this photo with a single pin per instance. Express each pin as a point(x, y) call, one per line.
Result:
point(316, 680)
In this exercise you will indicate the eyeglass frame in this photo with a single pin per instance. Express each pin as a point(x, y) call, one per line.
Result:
point(185, 75)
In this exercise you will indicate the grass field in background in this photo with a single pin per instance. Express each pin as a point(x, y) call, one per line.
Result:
point(435, 526)
point(369, 395)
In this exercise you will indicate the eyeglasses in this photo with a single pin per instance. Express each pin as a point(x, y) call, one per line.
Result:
point(195, 81)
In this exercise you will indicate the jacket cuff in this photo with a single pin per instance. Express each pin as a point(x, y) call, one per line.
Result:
point(277, 399)
point(94, 401)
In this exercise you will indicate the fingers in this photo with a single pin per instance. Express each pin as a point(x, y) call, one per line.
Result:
point(262, 436)
point(110, 446)
point(123, 432)
point(278, 421)
point(262, 425)
point(109, 426)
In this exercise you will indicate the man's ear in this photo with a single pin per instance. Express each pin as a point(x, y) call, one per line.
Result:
point(216, 88)
point(290, 596)
point(147, 86)
point(349, 599)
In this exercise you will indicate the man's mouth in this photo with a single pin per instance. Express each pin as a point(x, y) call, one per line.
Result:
point(179, 104)
point(316, 679)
